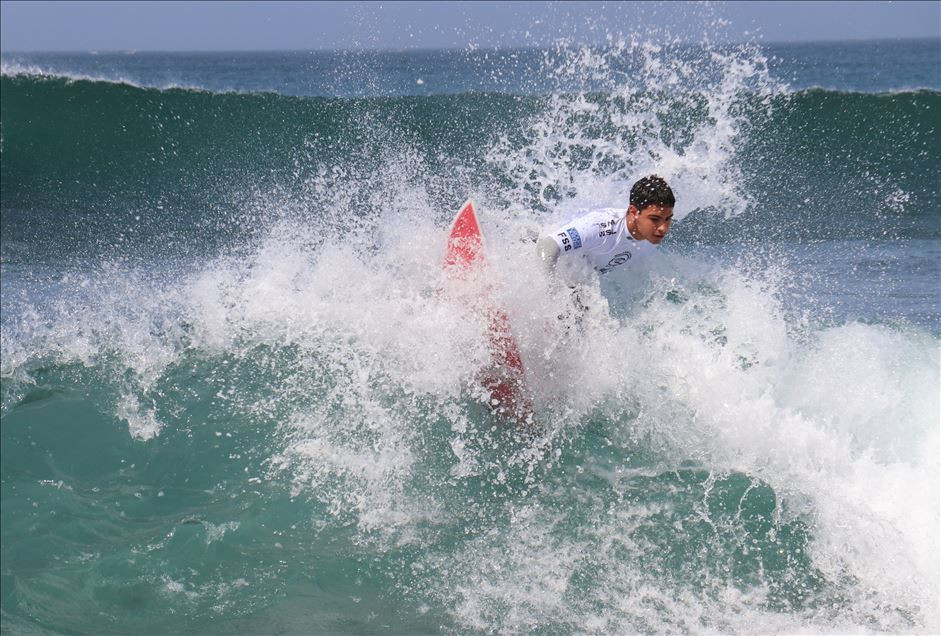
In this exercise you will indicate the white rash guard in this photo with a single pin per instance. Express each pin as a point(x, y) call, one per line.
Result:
point(601, 236)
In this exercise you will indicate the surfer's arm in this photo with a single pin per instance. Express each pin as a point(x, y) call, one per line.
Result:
point(548, 251)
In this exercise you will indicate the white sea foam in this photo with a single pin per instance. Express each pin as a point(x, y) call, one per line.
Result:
point(841, 423)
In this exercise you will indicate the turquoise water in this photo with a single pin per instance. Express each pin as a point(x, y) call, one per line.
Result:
point(234, 399)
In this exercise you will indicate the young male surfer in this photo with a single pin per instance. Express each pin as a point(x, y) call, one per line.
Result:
point(611, 238)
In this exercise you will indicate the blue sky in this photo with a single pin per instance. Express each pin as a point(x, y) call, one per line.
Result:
point(193, 26)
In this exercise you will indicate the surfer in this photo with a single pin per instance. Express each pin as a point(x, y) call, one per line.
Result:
point(610, 238)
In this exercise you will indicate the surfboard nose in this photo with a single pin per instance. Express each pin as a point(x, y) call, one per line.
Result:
point(464, 241)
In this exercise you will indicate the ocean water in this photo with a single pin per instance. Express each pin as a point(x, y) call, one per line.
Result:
point(236, 400)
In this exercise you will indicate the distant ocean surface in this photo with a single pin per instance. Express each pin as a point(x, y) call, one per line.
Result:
point(235, 400)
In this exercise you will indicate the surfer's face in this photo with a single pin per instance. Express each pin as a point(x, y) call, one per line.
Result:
point(650, 224)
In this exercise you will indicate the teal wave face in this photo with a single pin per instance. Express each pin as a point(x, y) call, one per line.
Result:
point(89, 163)
point(87, 159)
point(84, 160)
point(826, 165)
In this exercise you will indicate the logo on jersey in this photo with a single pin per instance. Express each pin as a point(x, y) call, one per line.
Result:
point(576, 238)
point(607, 228)
point(619, 259)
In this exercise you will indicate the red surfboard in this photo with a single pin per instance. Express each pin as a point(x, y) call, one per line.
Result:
point(505, 380)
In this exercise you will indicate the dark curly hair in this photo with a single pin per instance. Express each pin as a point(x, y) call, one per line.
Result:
point(652, 190)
